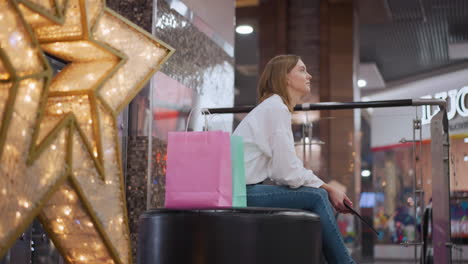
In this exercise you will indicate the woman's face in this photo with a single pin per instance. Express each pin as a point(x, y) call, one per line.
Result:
point(298, 79)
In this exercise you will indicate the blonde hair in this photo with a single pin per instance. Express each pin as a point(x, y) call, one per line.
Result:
point(274, 78)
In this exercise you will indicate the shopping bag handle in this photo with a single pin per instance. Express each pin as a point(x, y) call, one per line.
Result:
point(205, 112)
point(210, 120)
point(202, 110)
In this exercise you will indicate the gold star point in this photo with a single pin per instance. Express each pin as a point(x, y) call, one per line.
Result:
point(66, 164)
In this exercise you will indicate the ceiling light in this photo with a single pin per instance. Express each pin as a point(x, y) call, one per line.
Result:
point(369, 72)
point(361, 83)
point(244, 29)
point(365, 173)
point(465, 140)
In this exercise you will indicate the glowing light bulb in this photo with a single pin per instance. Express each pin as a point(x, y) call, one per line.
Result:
point(61, 227)
point(18, 214)
point(24, 203)
point(67, 210)
point(53, 147)
point(27, 98)
point(15, 38)
point(90, 77)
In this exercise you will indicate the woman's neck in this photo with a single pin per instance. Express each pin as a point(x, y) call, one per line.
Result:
point(294, 97)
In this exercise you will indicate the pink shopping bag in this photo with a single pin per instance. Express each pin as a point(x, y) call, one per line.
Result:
point(198, 172)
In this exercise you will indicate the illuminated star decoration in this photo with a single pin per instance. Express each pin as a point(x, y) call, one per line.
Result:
point(59, 149)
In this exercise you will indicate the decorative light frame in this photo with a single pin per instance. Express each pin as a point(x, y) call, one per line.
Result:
point(45, 26)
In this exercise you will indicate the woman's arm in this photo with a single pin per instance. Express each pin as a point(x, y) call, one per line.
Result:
point(286, 167)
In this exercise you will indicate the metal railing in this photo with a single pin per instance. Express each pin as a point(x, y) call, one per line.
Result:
point(441, 237)
point(338, 106)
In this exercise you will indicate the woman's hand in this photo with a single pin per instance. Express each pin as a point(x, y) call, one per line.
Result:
point(337, 198)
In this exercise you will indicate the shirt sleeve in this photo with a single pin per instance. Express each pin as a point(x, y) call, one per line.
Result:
point(287, 168)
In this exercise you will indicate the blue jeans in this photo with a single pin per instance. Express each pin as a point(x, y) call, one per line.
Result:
point(306, 198)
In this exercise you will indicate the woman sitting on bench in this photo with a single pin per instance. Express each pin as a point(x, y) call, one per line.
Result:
point(270, 154)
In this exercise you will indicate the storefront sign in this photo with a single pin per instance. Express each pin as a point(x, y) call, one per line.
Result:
point(457, 104)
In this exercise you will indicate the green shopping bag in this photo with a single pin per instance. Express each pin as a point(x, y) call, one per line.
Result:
point(239, 197)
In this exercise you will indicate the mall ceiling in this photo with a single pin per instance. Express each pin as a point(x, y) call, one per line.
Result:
point(399, 41)
point(409, 38)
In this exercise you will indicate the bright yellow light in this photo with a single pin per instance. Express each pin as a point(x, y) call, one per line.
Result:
point(23, 203)
point(67, 210)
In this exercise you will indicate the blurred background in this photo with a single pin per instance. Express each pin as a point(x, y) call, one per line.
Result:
point(361, 50)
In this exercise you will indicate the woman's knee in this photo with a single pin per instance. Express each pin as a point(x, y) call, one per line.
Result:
point(323, 193)
point(317, 195)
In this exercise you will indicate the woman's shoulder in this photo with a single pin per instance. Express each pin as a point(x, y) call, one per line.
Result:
point(271, 108)
point(271, 114)
point(273, 103)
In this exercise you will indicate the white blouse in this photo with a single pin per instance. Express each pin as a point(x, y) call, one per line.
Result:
point(269, 147)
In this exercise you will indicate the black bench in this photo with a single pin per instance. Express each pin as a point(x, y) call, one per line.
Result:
point(225, 236)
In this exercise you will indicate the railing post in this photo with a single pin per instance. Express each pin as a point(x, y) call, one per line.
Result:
point(440, 188)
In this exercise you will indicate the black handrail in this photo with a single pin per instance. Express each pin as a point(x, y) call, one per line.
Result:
point(337, 106)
